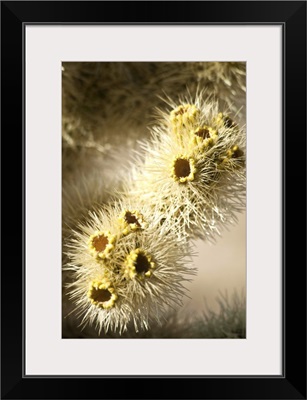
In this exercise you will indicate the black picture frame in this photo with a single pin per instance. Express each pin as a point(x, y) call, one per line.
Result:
point(292, 383)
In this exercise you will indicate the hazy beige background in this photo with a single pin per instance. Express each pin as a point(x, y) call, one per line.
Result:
point(221, 267)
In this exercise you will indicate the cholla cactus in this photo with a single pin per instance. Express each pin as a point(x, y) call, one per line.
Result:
point(126, 275)
point(193, 169)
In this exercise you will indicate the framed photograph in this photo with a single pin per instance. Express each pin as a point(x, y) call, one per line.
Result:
point(163, 149)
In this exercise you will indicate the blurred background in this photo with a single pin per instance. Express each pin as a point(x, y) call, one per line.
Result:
point(221, 268)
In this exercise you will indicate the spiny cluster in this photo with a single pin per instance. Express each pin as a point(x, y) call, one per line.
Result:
point(193, 169)
point(126, 270)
